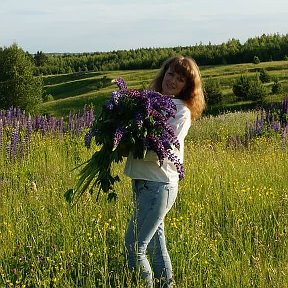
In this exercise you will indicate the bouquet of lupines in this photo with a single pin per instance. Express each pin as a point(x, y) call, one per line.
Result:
point(131, 121)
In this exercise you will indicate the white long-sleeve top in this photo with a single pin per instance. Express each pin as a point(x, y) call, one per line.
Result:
point(149, 168)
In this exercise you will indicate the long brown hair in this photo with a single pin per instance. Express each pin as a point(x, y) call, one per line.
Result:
point(192, 94)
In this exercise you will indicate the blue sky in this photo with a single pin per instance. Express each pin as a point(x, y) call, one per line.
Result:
point(95, 26)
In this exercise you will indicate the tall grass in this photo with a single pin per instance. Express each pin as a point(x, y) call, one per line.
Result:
point(228, 227)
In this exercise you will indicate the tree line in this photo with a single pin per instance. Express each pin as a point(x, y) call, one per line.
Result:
point(272, 47)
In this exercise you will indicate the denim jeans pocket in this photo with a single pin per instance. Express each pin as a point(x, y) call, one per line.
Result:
point(172, 190)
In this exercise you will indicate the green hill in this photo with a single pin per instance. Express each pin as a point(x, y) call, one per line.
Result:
point(70, 92)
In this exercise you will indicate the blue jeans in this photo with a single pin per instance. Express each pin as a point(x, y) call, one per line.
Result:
point(145, 231)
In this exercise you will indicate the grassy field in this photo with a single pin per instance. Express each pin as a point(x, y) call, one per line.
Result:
point(228, 228)
point(75, 90)
point(71, 92)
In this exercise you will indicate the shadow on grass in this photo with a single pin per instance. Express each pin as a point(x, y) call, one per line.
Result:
point(58, 79)
point(220, 109)
point(63, 107)
point(75, 88)
point(241, 107)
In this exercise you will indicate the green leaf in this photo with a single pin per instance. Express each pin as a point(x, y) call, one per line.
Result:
point(69, 195)
point(112, 196)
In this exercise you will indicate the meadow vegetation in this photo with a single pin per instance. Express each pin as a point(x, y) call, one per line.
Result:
point(71, 91)
point(228, 227)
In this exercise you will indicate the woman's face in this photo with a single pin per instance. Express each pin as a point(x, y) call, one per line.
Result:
point(173, 83)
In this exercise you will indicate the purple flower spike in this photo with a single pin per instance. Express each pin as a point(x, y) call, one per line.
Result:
point(120, 83)
point(109, 105)
point(14, 142)
point(88, 137)
point(116, 95)
point(117, 137)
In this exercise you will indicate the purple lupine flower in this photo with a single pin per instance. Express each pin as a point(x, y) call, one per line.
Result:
point(259, 124)
point(139, 120)
point(284, 106)
point(70, 122)
point(284, 137)
point(9, 117)
point(61, 125)
point(276, 126)
point(88, 137)
point(17, 112)
point(118, 136)
point(158, 116)
point(22, 118)
point(178, 165)
point(44, 125)
point(155, 145)
point(268, 122)
point(109, 105)
point(79, 126)
point(88, 117)
point(134, 93)
point(165, 142)
point(147, 105)
point(152, 94)
point(170, 135)
point(37, 122)
point(28, 130)
point(284, 112)
point(116, 95)
point(120, 83)
point(14, 142)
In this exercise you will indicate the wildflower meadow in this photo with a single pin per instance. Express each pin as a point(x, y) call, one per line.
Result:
point(228, 227)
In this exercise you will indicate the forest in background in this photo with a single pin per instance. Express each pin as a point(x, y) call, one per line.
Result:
point(272, 47)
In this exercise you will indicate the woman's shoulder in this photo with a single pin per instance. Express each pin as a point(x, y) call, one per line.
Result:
point(179, 102)
point(181, 107)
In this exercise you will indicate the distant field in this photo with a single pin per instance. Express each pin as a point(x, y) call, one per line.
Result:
point(72, 91)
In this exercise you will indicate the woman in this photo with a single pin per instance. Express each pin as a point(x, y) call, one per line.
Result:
point(155, 187)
